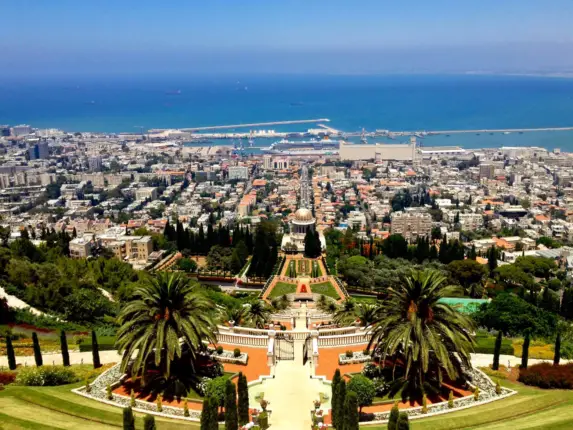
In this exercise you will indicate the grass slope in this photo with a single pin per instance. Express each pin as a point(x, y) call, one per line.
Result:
point(325, 288)
point(531, 408)
point(58, 408)
point(282, 288)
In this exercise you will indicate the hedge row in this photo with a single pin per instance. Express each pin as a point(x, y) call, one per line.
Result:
point(546, 375)
point(87, 347)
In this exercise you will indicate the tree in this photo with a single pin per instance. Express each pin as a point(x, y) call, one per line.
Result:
point(467, 272)
point(428, 336)
point(231, 420)
point(216, 389)
point(128, 419)
point(393, 418)
point(497, 350)
point(364, 389)
point(525, 352)
point(243, 402)
point(341, 403)
point(351, 417)
point(334, 397)
point(492, 256)
point(37, 350)
point(64, 347)
point(206, 417)
point(95, 351)
point(166, 312)
point(557, 356)
point(149, 422)
point(10, 353)
point(403, 422)
point(395, 246)
point(258, 313)
point(311, 244)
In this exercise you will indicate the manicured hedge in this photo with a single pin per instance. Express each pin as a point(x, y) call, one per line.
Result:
point(87, 347)
point(485, 344)
point(546, 375)
point(46, 376)
point(7, 377)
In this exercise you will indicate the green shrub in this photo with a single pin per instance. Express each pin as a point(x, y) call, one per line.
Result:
point(185, 408)
point(497, 388)
point(46, 376)
point(128, 419)
point(237, 353)
point(264, 420)
point(366, 352)
point(424, 404)
point(132, 399)
point(219, 350)
point(403, 422)
point(393, 419)
point(349, 354)
point(159, 403)
point(109, 392)
point(149, 422)
point(476, 394)
point(451, 400)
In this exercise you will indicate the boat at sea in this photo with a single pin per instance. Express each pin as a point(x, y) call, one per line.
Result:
point(301, 145)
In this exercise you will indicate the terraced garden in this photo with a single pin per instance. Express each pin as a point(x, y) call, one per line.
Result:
point(282, 288)
point(326, 289)
point(531, 408)
point(58, 408)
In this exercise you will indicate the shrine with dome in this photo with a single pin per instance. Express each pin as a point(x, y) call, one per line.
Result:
point(302, 221)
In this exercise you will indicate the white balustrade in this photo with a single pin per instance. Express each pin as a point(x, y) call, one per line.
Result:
point(243, 339)
point(345, 339)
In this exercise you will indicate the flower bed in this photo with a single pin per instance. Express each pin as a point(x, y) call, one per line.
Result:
point(229, 357)
point(546, 375)
point(357, 357)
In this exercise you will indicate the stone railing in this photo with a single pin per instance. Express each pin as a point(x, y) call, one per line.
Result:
point(250, 331)
point(338, 331)
point(294, 335)
point(243, 339)
point(345, 339)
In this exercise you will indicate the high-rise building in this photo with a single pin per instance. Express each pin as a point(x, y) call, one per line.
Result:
point(39, 151)
point(4, 130)
point(21, 130)
point(238, 172)
point(95, 163)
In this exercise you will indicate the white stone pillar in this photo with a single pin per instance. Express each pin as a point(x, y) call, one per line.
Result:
point(314, 337)
point(271, 349)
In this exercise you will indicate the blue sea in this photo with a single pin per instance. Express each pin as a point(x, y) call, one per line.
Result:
point(411, 102)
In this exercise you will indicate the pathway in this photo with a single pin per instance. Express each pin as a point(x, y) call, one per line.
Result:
point(16, 303)
point(292, 390)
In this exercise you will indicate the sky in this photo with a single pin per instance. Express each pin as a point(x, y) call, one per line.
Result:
point(285, 36)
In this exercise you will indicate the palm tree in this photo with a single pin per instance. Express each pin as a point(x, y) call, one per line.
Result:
point(422, 338)
point(366, 313)
point(237, 315)
point(345, 314)
point(258, 314)
point(166, 313)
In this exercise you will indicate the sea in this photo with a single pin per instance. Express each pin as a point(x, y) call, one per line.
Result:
point(389, 102)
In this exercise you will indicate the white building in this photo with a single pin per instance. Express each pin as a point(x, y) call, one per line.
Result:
point(238, 172)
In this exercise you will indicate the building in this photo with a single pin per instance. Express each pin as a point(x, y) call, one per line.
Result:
point(81, 247)
point(146, 193)
point(486, 171)
point(302, 222)
point(95, 163)
point(39, 151)
point(21, 130)
point(238, 172)
point(411, 225)
point(4, 130)
point(378, 151)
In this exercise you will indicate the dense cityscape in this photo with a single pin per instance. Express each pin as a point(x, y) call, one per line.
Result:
point(163, 271)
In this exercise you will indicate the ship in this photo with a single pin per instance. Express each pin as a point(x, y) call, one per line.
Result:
point(301, 145)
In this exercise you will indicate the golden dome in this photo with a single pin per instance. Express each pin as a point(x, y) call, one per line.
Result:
point(304, 215)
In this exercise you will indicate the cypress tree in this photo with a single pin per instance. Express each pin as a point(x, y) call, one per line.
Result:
point(403, 422)
point(231, 420)
point(351, 417)
point(497, 351)
point(37, 350)
point(128, 419)
point(393, 419)
point(10, 353)
point(206, 414)
point(525, 352)
point(334, 397)
point(341, 402)
point(243, 391)
point(557, 356)
point(95, 351)
point(213, 414)
point(64, 347)
point(149, 422)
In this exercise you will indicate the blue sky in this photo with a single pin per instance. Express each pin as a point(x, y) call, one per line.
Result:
point(339, 36)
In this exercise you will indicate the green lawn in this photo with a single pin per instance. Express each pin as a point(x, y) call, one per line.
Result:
point(326, 289)
point(282, 288)
point(363, 299)
point(532, 408)
point(59, 408)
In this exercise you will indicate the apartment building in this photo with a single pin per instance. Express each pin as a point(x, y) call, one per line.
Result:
point(411, 225)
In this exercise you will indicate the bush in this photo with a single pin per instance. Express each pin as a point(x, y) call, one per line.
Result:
point(46, 376)
point(219, 350)
point(7, 377)
point(349, 354)
point(236, 353)
point(366, 352)
point(546, 375)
